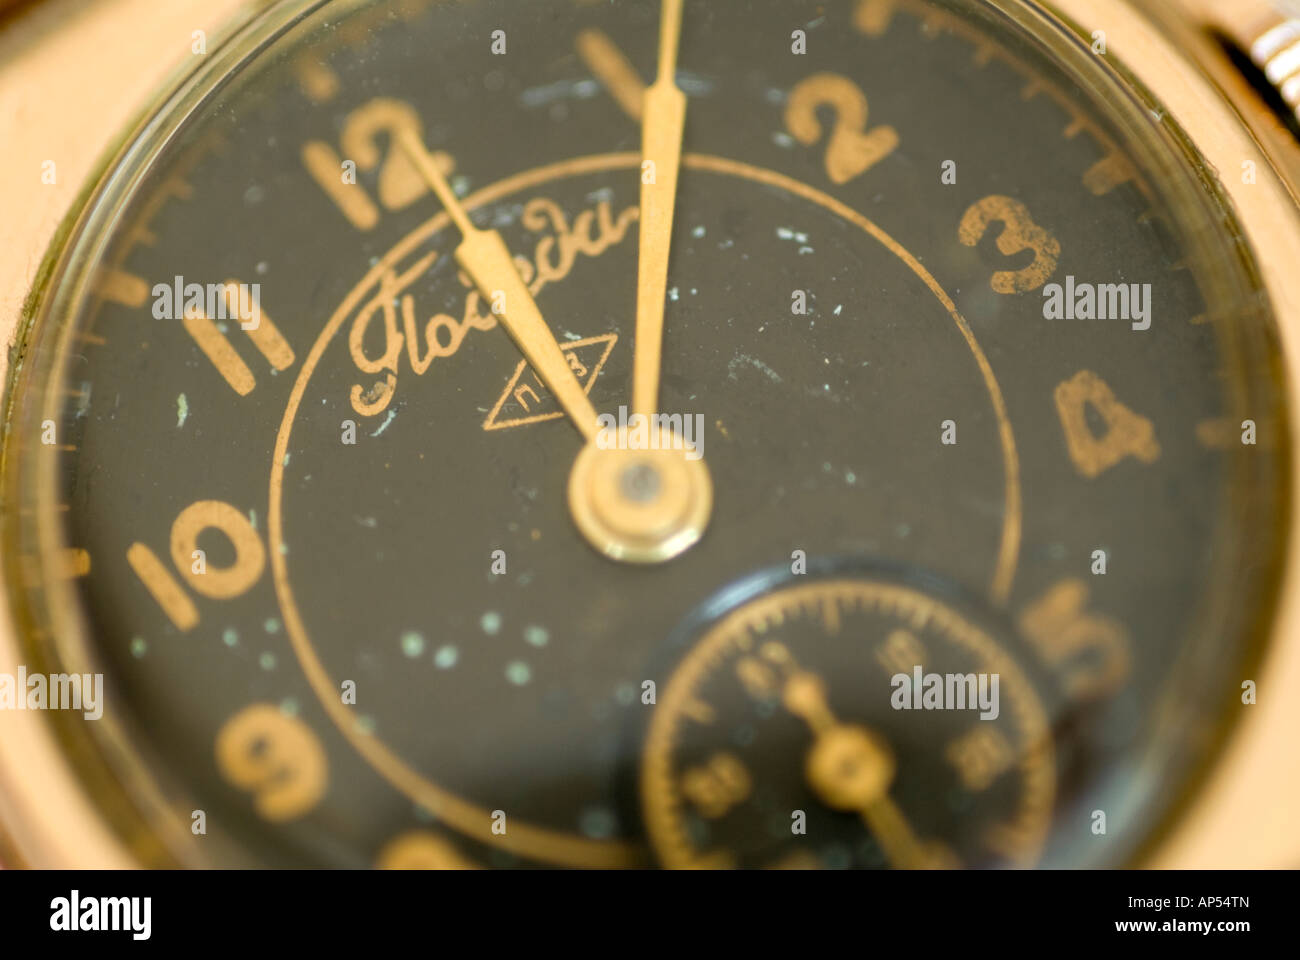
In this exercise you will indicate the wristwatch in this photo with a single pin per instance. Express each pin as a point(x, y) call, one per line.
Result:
point(763, 433)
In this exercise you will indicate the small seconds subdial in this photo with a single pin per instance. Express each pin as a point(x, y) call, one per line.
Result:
point(847, 722)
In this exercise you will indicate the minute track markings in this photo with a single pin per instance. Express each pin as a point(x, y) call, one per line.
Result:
point(357, 576)
point(880, 13)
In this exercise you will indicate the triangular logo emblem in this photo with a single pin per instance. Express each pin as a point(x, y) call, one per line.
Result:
point(526, 400)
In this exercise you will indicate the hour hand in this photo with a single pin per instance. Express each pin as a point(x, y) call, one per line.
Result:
point(486, 260)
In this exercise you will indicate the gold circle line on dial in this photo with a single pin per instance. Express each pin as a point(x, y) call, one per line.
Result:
point(1253, 201)
point(523, 838)
point(824, 599)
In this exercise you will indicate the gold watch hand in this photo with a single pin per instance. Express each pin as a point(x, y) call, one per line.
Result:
point(805, 697)
point(851, 768)
point(482, 254)
point(901, 845)
point(662, 121)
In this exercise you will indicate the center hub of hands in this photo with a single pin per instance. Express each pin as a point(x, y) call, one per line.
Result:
point(640, 506)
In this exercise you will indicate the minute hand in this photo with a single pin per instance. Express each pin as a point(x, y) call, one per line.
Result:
point(663, 119)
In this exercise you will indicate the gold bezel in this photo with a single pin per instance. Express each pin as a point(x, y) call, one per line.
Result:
point(1241, 816)
point(60, 72)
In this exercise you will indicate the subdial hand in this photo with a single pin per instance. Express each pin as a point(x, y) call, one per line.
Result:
point(851, 768)
point(483, 255)
point(663, 119)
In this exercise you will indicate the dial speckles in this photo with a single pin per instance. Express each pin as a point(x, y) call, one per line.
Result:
point(865, 233)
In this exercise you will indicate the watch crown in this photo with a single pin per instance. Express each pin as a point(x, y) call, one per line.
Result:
point(1268, 32)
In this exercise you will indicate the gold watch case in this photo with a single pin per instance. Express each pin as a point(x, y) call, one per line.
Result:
point(75, 79)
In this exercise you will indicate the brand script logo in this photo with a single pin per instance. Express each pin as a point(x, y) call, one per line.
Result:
point(592, 232)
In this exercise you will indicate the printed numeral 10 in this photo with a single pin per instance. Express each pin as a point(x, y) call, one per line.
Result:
point(219, 583)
